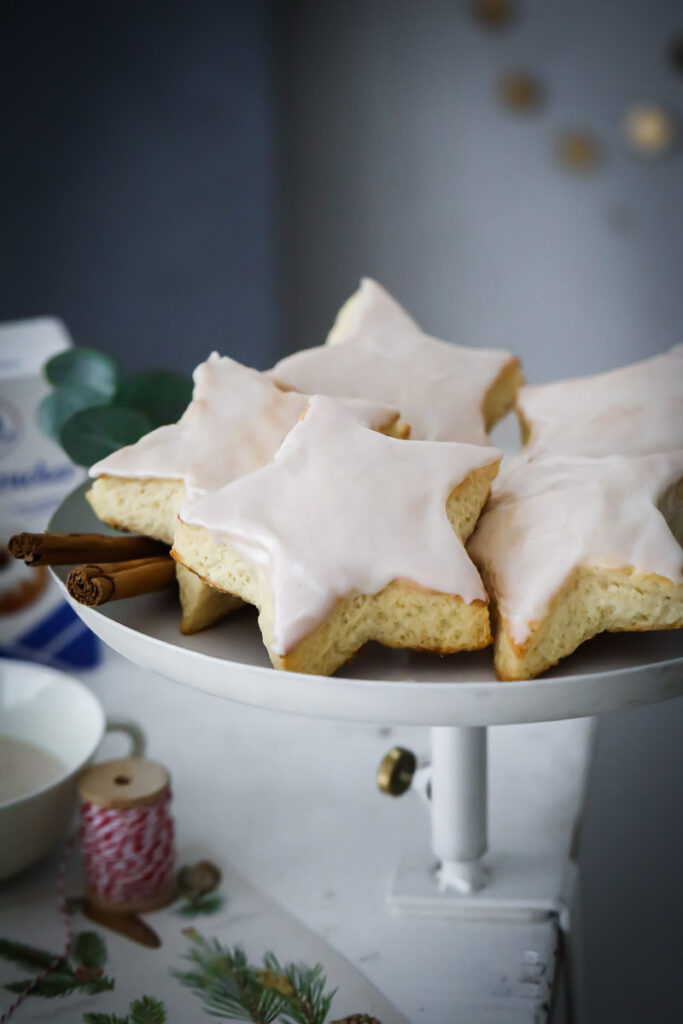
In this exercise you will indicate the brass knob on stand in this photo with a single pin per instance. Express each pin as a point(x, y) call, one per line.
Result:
point(396, 770)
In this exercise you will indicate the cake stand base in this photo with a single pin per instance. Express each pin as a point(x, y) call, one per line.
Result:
point(517, 888)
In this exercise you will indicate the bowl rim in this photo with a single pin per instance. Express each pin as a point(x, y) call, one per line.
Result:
point(59, 678)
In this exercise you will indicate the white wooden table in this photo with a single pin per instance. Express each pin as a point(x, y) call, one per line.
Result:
point(292, 803)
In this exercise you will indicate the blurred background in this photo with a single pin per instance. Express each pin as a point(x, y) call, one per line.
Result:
point(180, 177)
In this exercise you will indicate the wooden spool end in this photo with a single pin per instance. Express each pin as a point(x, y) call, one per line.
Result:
point(160, 899)
point(123, 784)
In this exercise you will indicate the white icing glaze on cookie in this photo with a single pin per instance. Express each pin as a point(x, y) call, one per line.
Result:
point(371, 308)
point(235, 423)
point(343, 509)
point(636, 410)
point(376, 351)
point(546, 517)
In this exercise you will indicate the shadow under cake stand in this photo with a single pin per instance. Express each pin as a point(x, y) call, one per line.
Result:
point(458, 696)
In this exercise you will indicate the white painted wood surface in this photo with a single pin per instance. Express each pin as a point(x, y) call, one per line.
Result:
point(291, 802)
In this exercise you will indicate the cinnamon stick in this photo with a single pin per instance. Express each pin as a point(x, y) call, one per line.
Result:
point(94, 585)
point(72, 548)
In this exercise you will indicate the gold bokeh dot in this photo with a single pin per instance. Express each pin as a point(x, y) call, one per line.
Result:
point(493, 13)
point(579, 151)
point(520, 91)
point(650, 130)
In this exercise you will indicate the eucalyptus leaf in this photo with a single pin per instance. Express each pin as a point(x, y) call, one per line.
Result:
point(161, 394)
point(56, 408)
point(92, 434)
point(86, 367)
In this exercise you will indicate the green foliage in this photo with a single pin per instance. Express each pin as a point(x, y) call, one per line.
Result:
point(59, 405)
point(62, 983)
point(307, 1002)
point(147, 1011)
point(91, 434)
point(83, 367)
point(233, 989)
point(227, 985)
point(58, 983)
point(161, 395)
point(84, 975)
point(89, 950)
point(142, 1011)
point(104, 1018)
point(202, 905)
point(93, 411)
point(28, 957)
point(195, 880)
point(96, 985)
point(197, 884)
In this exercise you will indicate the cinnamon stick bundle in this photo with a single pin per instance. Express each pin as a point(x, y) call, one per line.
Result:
point(94, 585)
point(72, 548)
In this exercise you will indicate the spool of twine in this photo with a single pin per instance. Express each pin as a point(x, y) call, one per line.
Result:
point(127, 835)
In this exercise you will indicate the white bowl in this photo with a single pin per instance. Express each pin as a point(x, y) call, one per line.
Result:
point(56, 713)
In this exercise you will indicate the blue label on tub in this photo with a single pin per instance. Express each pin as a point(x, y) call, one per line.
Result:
point(60, 639)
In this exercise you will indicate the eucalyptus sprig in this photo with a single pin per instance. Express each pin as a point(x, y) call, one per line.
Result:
point(93, 410)
point(232, 988)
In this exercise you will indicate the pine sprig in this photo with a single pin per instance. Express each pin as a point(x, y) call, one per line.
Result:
point(142, 1011)
point(89, 950)
point(28, 957)
point(232, 988)
point(58, 983)
point(97, 985)
point(85, 974)
point(227, 985)
point(307, 1002)
point(104, 1018)
point(147, 1011)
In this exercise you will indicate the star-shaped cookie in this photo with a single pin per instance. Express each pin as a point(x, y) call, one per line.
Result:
point(571, 546)
point(636, 410)
point(376, 351)
point(235, 423)
point(346, 536)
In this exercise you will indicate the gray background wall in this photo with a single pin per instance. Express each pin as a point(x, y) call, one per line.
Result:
point(400, 163)
point(137, 172)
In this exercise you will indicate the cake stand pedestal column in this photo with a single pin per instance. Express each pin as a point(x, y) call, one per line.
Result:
point(458, 792)
point(460, 875)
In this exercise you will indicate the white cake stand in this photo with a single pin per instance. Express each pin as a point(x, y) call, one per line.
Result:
point(458, 696)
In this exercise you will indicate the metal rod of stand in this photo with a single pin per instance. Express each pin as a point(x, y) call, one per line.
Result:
point(458, 802)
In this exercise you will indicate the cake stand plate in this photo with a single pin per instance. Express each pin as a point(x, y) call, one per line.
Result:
point(458, 695)
point(379, 685)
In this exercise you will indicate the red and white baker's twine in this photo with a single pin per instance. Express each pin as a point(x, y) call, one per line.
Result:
point(129, 854)
point(68, 933)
